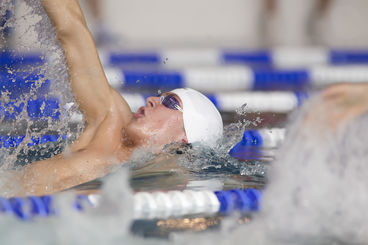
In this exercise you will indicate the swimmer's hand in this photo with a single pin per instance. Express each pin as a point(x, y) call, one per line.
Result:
point(338, 105)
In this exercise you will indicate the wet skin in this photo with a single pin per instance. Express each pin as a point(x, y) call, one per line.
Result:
point(112, 131)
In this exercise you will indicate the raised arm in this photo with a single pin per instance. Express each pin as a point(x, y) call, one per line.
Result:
point(87, 78)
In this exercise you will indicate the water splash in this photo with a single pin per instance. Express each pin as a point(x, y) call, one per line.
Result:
point(202, 159)
point(317, 190)
point(109, 223)
point(15, 118)
point(324, 174)
point(316, 193)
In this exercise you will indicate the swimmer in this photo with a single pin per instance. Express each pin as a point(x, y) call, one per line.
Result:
point(112, 131)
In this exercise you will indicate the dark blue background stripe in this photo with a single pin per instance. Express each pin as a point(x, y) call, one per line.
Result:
point(212, 97)
point(10, 59)
point(153, 80)
point(281, 80)
point(11, 110)
point(251, 57)
point(123, 58)
point(340, 57)
point(21, 83)
point(14, 141)
point(259, 57)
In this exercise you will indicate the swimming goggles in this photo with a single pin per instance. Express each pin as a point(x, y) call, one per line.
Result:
point(171, 102)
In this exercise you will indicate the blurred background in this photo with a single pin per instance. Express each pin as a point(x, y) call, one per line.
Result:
point(236, 23)
point(214, 24)
point(257, 60)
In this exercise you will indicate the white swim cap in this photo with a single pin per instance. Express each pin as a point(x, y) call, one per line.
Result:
point(202, 120)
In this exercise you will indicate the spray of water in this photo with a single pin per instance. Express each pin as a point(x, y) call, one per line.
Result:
point(14, 116)
point(109, 223)
point(316, 192)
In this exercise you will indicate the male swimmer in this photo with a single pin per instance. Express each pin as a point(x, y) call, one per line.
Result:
point(112, 131)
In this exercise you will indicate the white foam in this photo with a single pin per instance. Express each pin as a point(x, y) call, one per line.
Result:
point(316, 194)
point(37, 33)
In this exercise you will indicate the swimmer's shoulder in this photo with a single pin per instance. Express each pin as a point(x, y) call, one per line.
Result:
point(121, 107)
point(102, 131)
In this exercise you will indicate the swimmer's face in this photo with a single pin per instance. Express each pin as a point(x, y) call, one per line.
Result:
point(156, 124)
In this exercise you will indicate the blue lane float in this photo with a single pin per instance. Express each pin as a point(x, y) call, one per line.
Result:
point(40, 108)
point(206, 79)
point(214, 80)
point(134, 57)
point(26, 208)
point(259, 57)
point(241, 200)
point(11, 141)
point(153, 80)
point(266, 58)
point(19, 83)
point(253, 141)
point(341, 57)
point(10, 59)
point(147, 205)
point(217, 79)
point(281, 80)
point(236, 78)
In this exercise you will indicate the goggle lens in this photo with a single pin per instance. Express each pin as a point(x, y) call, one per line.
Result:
point(171, 102)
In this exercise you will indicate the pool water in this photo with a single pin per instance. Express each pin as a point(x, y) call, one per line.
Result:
point(314, 187)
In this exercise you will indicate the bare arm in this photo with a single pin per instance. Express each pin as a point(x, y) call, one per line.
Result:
point(59, 173)
point(104, 153)
point(86, 75)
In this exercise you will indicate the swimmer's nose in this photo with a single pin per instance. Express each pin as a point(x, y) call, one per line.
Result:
point(152, 101)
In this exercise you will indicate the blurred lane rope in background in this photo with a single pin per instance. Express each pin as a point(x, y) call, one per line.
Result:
point(258, 61)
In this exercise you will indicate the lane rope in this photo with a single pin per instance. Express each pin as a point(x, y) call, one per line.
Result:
point(147, 205)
